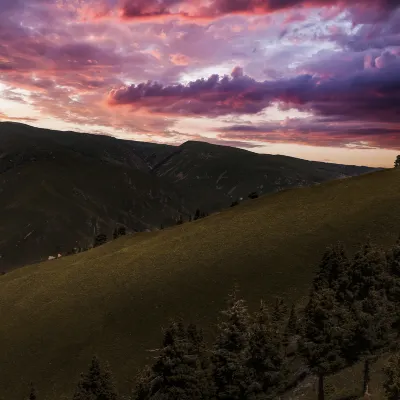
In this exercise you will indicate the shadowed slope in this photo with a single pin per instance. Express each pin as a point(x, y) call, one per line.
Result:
point(213, 176)
point(58, 190)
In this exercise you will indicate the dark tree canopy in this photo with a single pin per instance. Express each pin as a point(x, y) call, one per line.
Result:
point(96, 384)
point(391, 382)
point(253, 195)
point(230, 352)
point(118, 232)
point(32, 393)
point(266, 360)
point(100, 239)
point(178, 371)
point(333, 271)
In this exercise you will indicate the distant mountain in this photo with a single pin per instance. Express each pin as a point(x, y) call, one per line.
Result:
point(59, 189)
point(213, 176)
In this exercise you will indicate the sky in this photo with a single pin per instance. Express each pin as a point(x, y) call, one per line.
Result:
point(314, 79)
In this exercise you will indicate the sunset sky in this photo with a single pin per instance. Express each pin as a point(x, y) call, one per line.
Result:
point(315, 79)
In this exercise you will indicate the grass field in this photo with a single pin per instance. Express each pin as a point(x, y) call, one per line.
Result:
point(113, 300)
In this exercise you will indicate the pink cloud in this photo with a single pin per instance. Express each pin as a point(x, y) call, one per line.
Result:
point(322, 132)
point(153, 9)
point(366, 94)
point(180, 59)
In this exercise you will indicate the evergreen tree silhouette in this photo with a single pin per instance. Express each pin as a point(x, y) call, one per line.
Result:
point(230, 353)
point(96, 384)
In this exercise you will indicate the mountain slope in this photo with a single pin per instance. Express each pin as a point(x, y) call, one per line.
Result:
point(112, 300)
point(213, 176)
point(59, 189)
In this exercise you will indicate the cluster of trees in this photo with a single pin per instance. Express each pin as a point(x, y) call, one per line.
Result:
point(248, 360)
point(251, 196)
point(197, 215)
point(102, 238)
point(352, 315)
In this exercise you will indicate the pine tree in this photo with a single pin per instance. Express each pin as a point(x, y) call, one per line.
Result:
point(143, 387)
point(327, 325)
point(198, 350)
point(266, 360)
point(118, 232)
point(279, 311)
point(391, 382)
point(291, 328)
point(176, 372)
point(230, 352)
point(100, 239)
point(370, 307)
point(253, 195)
point(393, 262)
point(333, 271)
point(96, 384)
point(32, 393)
point(397, 162)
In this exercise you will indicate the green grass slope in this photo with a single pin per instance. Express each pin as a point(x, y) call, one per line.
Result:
point(113, 299)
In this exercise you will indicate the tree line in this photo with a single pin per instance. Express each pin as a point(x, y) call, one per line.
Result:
point(351, 316)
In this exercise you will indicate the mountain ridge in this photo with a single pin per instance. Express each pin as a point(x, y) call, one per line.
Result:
point(58, 190)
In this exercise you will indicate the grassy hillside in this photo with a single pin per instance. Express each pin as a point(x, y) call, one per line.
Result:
point(113, 300)
point(59, 189)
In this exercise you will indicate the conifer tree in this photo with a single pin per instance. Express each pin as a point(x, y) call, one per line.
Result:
point(198, 350)
point(393, 262)
point(397, 162)
point(391, 382)
point(32, 393)
point(291, 329)
point(143, 386)
point(118, 232)
point(96, 384)
point(327, 325)
point(266, 361)
point(370, 307)
point(279, 312)
point(230, 352)
point(176, 372)
point(333, 271)
point(100, 239)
